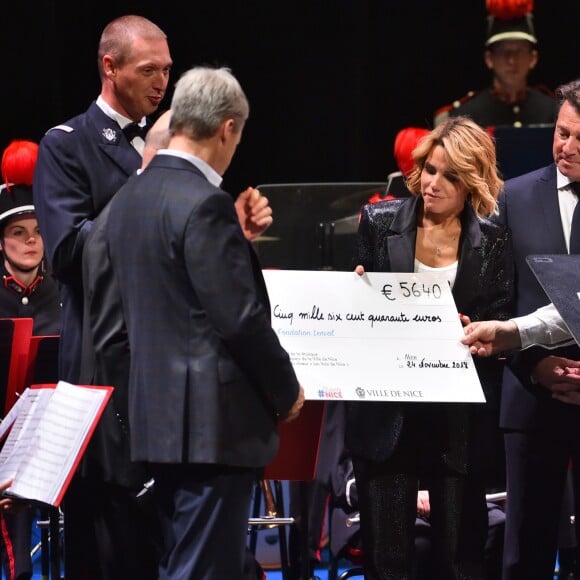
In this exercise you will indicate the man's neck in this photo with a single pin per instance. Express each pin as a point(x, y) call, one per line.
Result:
point(113, 110)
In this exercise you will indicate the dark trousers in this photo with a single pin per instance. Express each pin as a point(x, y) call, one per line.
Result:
point(204, 520)
point(388, 506)
point(537, 467)
point(109, 534)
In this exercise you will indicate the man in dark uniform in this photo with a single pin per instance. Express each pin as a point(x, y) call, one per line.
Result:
point(81, 165)
point(84, 161)
point(510, 54)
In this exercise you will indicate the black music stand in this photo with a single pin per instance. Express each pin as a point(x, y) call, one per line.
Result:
point(43, 360)
point(43, 369)
point(26, 359)
point(303, 235)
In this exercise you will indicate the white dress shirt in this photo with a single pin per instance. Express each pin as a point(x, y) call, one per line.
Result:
point(545, 326)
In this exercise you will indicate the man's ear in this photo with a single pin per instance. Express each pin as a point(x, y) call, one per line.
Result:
point(109, 66)
point(227, 128)
point(488, 60)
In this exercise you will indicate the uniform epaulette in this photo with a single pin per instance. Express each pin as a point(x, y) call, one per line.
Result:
point(545, 89)
point(65, 128)
point(443, 112)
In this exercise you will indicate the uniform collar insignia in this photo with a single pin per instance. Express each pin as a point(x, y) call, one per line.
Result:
point(109, 134)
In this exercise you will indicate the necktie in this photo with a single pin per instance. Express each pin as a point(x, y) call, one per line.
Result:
point(575, 227)
point(133, 130)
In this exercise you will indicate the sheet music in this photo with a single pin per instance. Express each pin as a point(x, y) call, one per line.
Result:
point(50, 438)
point(13, 413)
point(24, 422)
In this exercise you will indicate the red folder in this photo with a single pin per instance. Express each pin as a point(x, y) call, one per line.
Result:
point(63, 441)
point(15, 336)
point(299, 443)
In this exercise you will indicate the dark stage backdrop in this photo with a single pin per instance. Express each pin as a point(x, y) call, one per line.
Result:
point(329, 82)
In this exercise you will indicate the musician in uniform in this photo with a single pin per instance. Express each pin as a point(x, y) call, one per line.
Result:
point(28, 291)
point(510, 54)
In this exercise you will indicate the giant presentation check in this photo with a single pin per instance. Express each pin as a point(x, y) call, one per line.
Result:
point(381, 336)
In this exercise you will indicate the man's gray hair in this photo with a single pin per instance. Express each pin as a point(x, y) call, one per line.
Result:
point(203, 98)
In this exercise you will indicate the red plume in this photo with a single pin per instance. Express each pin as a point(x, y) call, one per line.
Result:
point(405, 141)
point(18, 162)
point(509, 9)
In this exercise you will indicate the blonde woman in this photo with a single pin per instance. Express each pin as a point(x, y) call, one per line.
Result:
point(445, 448)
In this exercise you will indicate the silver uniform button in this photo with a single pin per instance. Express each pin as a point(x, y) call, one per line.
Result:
point(25, 300)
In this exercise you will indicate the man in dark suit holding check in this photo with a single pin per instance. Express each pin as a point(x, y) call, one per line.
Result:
point(209, 379)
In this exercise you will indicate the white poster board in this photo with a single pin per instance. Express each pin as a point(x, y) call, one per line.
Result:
point(381, 336)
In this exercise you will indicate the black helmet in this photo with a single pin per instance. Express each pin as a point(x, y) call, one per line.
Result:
point(14, 202)
point(510, 20)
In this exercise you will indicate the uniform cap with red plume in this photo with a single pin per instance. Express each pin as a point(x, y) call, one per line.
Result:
point(405, 141)
point(510, 20)
point(18, 162)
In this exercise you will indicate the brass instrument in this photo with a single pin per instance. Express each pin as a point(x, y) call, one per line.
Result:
point(271, 519)
point(269, 502)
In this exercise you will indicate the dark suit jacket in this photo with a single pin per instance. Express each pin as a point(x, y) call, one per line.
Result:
point(81, 164)
point(208, 375)
point(105, 361)
point(482, 290)
point(529, 207)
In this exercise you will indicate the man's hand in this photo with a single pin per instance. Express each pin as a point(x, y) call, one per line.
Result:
point(296, 407)
point(6, 503)
point(254, 213)
point(423, 505)
point(561, 376)
point(489, 337)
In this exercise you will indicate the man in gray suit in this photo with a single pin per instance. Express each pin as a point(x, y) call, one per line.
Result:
point(128, 535)
point(208, 379)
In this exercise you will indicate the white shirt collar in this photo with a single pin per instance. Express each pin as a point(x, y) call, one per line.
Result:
point(562, 181)
point(112, 114)
point(209, 172)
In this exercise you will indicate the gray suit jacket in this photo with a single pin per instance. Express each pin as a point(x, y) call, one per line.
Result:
point(208, 376)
